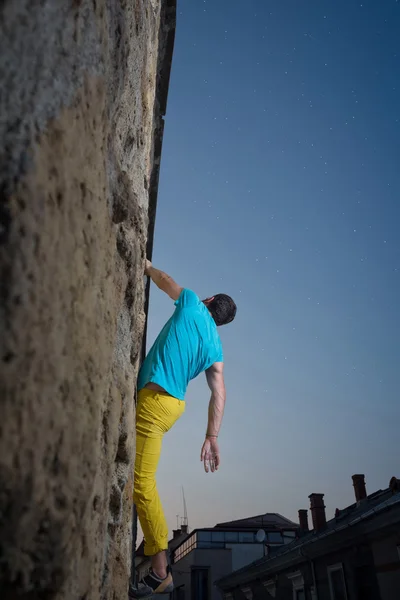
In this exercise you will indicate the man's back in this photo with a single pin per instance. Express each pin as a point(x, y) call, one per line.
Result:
point(188, 344)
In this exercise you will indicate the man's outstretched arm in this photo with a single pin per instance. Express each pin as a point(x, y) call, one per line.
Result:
point(210, 450)
point(163, 281)
point(216, 383)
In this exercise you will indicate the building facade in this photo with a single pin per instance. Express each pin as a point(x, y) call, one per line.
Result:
point(207, 555)
point(354, 556)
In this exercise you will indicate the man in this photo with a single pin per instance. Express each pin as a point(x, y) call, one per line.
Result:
point(187, 345)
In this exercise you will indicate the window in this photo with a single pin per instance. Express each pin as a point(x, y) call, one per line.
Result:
point(275, 538)
point(297, 580)
point(337, 584)
point(204, 536)
point(200, 584)
point(246, 537)
point(185, 548)
point(218, 536)
point(231, 537)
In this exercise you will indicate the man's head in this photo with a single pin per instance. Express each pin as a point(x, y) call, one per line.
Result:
point(222, 308)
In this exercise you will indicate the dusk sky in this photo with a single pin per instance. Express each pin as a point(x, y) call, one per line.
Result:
point(280, 185)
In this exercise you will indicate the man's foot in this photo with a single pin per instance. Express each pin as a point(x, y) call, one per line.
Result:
point(151, 584)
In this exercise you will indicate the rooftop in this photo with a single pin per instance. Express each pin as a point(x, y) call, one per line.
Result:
point(372, 505)
point(265, 521)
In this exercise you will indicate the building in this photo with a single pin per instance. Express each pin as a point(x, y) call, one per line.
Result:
point(354, 556)
point(209, 554)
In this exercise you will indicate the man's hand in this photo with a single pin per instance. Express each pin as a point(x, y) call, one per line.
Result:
point(147, 268)
point(210, 455)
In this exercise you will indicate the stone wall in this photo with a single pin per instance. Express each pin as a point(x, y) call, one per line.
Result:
point(83, 91)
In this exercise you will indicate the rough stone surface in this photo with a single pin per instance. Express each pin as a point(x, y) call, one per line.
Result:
point(80, 131)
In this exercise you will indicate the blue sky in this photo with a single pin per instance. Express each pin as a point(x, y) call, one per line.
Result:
point(280, 186)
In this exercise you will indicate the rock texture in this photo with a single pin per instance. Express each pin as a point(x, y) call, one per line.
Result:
point(83, 91)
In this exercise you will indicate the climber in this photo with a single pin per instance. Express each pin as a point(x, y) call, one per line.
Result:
point(187, 345)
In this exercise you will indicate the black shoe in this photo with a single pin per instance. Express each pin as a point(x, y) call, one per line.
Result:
point(151, 584)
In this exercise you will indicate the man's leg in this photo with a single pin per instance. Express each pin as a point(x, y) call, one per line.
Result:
point(155, 415)
point(159, 564)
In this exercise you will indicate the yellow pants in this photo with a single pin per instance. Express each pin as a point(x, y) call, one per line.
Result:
point(155, 415)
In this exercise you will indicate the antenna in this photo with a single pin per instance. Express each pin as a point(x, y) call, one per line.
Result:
point(185, 521)
point(177, 521)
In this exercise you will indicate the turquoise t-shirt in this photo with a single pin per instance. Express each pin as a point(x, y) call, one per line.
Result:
point(188, 344)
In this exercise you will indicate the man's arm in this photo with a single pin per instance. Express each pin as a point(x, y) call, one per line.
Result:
point(163, 281)
point(210, 449)
point(216, 383)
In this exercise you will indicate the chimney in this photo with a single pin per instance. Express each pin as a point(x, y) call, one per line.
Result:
point(394, 485)
point(184, 529)
point(317, 507)
point(176, 533)
point(303, 520)
point(359, 487)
